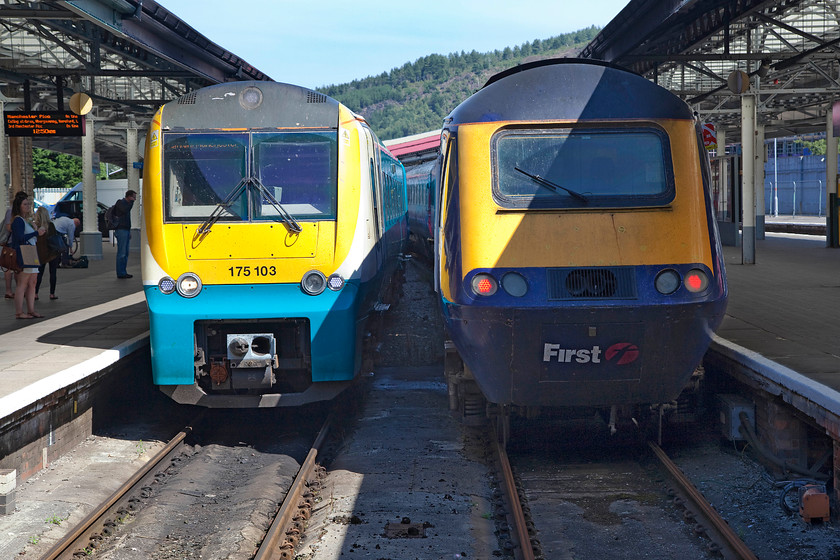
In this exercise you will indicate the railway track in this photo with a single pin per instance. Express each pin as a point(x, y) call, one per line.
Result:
point(285, 532)
point(88, 535)
point(709, 521)
point(594, 486)
point(148, 507)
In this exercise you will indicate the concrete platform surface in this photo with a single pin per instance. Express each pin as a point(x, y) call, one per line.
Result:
point(96, 319)
point(785, 306)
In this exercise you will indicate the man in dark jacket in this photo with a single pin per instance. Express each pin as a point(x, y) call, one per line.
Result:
point(122, 232)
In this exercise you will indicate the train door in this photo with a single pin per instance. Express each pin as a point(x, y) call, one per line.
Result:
point(446, 154)
point(376, 196)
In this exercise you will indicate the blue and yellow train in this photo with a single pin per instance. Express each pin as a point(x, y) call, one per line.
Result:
point(273, 223)
point(577, 256)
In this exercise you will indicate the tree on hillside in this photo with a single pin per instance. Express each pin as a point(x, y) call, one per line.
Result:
point(418, 95)
point(55, 170)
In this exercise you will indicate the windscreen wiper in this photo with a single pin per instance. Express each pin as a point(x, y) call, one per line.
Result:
point(291, 223)
point(552, 186)
point(221, 207)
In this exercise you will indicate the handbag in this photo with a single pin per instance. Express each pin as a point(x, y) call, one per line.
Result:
point(57, 242)
point(8, 259)
point(30, 255)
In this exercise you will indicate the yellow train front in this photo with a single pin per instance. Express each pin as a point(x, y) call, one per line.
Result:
point(577, 256)
point(273, 221)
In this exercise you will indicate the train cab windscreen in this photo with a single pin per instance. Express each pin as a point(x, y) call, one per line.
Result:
point(250, 177)
point(582, 168)
point(201, 171)
point(299, 170)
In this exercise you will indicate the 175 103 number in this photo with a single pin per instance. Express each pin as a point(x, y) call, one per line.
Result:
point(252, 270)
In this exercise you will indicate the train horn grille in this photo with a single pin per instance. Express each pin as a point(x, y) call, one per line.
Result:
point(591, 283)
point(188, 99)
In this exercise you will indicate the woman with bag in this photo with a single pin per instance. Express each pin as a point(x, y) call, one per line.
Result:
point(6, 235)
point(23, 235)
point(47, 253)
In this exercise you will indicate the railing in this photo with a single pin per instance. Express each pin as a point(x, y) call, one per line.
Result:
point(794, 198)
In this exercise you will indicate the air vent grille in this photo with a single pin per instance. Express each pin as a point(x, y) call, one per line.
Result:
point(591, 283)
point(188, 99)
point(313, 97)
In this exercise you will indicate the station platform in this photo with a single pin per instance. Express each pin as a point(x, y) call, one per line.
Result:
point(809, 225)
point(96, 320)
point(780, 333)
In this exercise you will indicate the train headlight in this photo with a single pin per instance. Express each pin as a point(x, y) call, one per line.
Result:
point(251, 97)
point(166, 285)
point(188, 285)
point(515, 284)
point(314, 282)
point(667, 281)
point(484, 285)
point(696, 280)
point(335, 282)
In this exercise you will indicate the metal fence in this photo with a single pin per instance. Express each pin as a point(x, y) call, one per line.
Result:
point(792, 198)
point(795, 186)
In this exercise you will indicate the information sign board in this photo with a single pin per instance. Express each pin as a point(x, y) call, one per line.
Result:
point(43, 123)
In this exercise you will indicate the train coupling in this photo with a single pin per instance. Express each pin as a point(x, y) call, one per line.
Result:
point(252, 358)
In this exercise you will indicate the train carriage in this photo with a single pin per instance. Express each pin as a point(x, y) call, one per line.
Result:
point(577, 257)
point(421, 184)
point(273, 222)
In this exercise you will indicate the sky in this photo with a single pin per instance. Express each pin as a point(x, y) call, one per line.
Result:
point(314, 43)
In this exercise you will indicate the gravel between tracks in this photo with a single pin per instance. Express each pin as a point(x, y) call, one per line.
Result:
point(744, 494)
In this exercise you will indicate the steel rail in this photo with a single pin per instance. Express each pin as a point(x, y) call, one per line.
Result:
point(275, 537)
point(70, 544)
point(721, 526)
point(526, 551)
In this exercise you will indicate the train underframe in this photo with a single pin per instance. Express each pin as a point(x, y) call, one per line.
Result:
point(636, 367)
point(254, 363)
point(470, 407)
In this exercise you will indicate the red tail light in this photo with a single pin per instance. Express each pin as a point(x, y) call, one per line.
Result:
point(484, 285)
point(696, 281)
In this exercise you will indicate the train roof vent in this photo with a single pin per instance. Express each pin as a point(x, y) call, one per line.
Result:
point(188, 99)
point(591, 283)
point(313, 97)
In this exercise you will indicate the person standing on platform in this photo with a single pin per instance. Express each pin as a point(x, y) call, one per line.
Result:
point(122, 231)
point(66, 227)
point(48, 256)
point(23, 233)
point(7, 223)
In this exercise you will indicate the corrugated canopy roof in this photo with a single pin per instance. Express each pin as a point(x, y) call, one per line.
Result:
point(789, 47)
point(130, 56)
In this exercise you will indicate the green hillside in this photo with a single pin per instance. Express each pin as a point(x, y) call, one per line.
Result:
point(416, 97)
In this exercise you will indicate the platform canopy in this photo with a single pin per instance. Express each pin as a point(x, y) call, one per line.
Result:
point(418, 148)
point(129, 56)
point(789, 49)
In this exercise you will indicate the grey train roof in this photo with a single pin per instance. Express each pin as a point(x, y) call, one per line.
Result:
point(281, 105)
point(569, 89)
